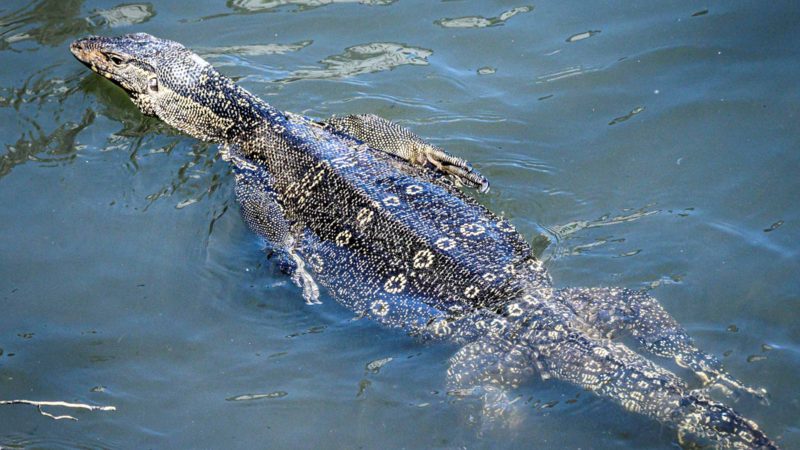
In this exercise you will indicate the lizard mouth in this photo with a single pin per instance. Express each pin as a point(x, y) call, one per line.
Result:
point(89, 52)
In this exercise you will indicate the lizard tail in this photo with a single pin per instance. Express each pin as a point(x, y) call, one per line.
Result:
point(542, 334)
point(561, 345)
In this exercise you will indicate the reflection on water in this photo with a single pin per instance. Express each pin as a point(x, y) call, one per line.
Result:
point(52, 22)
point(566, 232)
point(124, 15)
point(40, 146)
point(366, 58)
point(482, 22)
point(632, 113)
point(302, 5)
point(38, 88)
point(253, 49)
point(581, 36)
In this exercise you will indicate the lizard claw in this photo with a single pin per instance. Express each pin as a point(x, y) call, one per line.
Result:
point(460, 170)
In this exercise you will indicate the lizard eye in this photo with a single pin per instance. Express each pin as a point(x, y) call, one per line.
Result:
point(116, 59)
point(152, 84)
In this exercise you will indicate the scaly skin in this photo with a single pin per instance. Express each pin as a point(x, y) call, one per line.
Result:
point(372, 213)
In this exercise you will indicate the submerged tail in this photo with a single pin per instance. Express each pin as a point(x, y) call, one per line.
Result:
point(544, 333)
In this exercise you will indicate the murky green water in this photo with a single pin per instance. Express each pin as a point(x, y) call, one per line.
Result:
point(643, 144)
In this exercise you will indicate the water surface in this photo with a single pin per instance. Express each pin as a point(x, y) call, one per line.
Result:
point(635, 144)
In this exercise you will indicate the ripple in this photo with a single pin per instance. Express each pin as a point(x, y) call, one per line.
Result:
point(302, 5)
point(753, 237)
point(581, 36)
point(39, 88)
point(376, 365)
point(18, 440)
point(125, 15)
point(37, 145)
point(528, 164)
point(51, 22)
point(774, 226)
point(254, 50)
point(365, 58)
point(563, 233)
point(481, 21)
point(633, 112)
point(251, 397)
point(571, 71)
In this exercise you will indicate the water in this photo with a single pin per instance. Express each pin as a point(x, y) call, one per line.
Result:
point(636, 144)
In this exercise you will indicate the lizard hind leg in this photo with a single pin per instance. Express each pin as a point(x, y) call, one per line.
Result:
point(614, 311)
point(488, 369)
point(567, 349)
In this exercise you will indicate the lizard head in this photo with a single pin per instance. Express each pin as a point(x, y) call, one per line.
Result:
point(165, 79)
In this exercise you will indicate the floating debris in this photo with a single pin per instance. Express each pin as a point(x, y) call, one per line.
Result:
point(249, 397)
point(702, 12)
point(582, 36)
point(486, 70)
point(733, 328)
point(755, 358)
